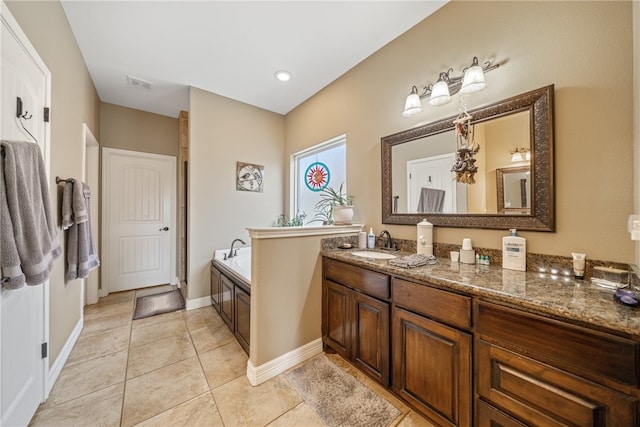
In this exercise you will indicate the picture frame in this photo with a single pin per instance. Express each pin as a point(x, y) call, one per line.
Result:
point(249, 177)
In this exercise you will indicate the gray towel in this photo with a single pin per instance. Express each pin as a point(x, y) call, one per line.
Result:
point(28, 233)
point(413, 261)
point(76, 219)
point(431, 200)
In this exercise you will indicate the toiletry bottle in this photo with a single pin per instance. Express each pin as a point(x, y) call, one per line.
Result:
point(371, 239)
point(362, 238)
point(514, 252)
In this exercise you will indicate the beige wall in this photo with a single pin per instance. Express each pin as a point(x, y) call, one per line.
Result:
point(130, 129)
point(584, 48)
point(286, 273)
point(74, 101)
point(636, 114)
point(221, 133)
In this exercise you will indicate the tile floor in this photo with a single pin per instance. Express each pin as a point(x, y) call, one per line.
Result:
point(177, 369)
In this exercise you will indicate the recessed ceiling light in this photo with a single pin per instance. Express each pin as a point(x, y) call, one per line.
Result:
point(283, 75)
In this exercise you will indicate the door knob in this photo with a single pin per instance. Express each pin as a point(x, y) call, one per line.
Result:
point(164, 229)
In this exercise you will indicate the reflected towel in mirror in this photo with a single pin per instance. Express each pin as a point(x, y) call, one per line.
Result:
point(431, 200)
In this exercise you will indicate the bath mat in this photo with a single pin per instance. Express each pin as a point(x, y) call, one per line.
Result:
point(151, 305)
point(338, 398)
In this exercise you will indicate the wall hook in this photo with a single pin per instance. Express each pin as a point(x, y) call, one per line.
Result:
point(19, 108)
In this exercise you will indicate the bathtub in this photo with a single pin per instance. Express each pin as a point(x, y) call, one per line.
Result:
point(239, 264)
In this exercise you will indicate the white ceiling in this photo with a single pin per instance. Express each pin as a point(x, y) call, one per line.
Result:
point(231, 48)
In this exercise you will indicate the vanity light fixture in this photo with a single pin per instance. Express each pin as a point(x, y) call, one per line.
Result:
point(440, 92)
point(522, 154)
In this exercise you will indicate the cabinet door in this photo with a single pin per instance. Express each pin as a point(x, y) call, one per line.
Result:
point(226, 300)
point(542, 395)
point(370, 336)
point(215, 288)
point(335, 313)
point(432, 368)
point(243, 317)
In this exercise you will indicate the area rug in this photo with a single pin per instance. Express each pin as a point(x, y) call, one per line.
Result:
point(338, 398)
point(151, 305)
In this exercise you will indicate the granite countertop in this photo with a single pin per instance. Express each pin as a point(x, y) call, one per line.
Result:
point(559, 297)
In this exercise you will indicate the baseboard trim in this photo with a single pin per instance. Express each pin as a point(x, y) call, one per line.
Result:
point(192, 304)
point(61, 360)
point(259, 374)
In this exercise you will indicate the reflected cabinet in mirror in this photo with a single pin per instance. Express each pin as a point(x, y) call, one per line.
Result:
point(513, 185)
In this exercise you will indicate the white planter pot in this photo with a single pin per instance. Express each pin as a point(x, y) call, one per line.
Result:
point(343, 215)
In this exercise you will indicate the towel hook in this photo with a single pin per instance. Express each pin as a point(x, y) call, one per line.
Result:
point(59, 180)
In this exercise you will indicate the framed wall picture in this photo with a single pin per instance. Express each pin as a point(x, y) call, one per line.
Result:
point(249, 177)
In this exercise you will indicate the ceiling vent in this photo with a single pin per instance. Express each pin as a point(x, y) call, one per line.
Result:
point(138, 82)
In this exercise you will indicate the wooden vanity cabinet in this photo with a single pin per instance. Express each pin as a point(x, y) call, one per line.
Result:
point(233, 301)
point(242, 311)
point(355, 316)
point(432, 358)
point(216, 287)
point(539, 371)
point(226, 300)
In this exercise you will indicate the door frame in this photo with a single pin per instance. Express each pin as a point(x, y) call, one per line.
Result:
point(107, 154)
point(91, 175)
point(14, 28)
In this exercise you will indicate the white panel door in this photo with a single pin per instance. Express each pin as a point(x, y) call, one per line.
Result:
point(23, 318)
point(139, 216)
point(431, 172)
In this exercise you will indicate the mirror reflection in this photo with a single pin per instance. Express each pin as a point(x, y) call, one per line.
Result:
point(424, 183)
point(514, 190)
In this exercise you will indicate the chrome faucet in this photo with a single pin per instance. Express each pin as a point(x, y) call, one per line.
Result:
point(233, 253)
point(388, 241)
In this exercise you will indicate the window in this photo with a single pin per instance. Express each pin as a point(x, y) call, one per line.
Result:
point(315, 168)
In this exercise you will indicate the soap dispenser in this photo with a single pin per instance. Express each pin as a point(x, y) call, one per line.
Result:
point(425, 237)
point(371, 239)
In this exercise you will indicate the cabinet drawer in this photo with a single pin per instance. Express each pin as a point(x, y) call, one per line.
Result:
point(441, 305)
point(570, 347)
point(488, 416)
point(367, 281)
point(542, 395)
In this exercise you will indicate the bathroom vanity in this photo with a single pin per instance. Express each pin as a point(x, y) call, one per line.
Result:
point(231, 297)
point(477, 345)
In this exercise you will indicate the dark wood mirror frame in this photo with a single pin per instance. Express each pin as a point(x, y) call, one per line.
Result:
point(539, 103)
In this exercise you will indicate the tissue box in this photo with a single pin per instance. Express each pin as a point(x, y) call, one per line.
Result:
point(608, 277)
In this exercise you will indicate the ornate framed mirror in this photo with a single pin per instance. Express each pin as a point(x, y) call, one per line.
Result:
point(418, 161)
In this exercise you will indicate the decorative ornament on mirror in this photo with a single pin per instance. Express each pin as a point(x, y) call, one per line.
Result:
point(464, 166)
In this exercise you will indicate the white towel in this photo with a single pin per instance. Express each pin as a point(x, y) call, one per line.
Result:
point(76, 219)
point(28, 234)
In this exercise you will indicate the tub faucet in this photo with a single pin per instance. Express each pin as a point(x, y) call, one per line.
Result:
point(388, 241)
point(233, 253)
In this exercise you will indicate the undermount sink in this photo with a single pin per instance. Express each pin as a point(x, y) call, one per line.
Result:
point(376, 255)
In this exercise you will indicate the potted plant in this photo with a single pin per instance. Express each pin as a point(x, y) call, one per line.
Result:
point(335, 206)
